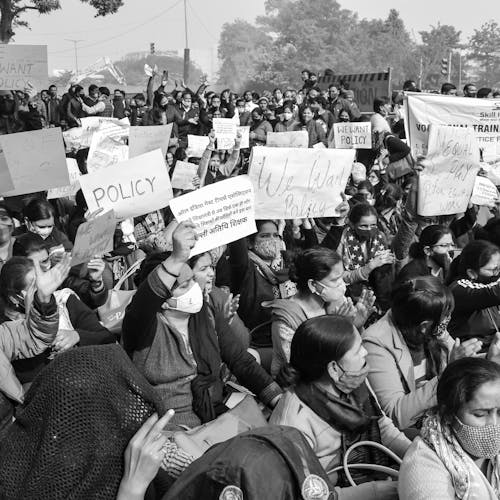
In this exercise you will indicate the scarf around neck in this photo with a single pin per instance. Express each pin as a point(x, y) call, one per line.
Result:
point(354, 249)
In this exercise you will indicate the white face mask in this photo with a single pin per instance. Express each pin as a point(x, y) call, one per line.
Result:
point(43, 232)
point(330, 294)
point(288, 116)
point(189, 302)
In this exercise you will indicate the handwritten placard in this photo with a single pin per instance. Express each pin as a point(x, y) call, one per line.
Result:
point(22, 66)
point(296, 183)
point(197, 145)
point(145, 139)
point(446, 183)
point(130, 188)
point(36, 160)
point(299, 139)
point(244, 131)
point(223, 212)
point(225, 132)
point(183, 175)
point(107, 146)
point(94, 238)
point(74, 185)
point(353, 135)
point(484, 192)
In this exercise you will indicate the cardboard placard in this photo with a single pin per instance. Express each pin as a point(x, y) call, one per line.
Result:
point(22, 66)
point(145, 139)
point(299, 139)
point(182, 177)
point(74, 185)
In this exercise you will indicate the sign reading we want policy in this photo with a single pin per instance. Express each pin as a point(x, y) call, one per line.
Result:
point(23, 66)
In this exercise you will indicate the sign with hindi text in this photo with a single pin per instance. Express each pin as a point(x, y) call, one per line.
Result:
point(223, 212)
point(484, 192)
point(450, 168)
point(225, 132)
point(130, 188)
point(293, 183)
point(22, 66)
point(197, 145)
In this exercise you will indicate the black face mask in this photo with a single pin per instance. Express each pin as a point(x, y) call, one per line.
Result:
point(365, 234)
point(7, 107)
point(443, 260)
point(486, 280)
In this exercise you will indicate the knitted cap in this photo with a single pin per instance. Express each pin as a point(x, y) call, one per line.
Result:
point(71, 432)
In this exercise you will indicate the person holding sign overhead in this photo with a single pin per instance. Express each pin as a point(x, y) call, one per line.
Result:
point(169, 335)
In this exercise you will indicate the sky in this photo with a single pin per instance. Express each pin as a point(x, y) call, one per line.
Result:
point(140, 22)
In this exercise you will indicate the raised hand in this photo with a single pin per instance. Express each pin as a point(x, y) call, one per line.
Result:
point(184, 239)
point(48, 282)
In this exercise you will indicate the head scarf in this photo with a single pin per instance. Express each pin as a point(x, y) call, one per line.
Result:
point(71, 432)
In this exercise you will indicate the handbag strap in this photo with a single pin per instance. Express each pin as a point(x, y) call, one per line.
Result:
point(129, 272)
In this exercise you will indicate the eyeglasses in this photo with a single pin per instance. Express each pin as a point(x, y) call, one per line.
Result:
point(446, 246)
point(492, 270)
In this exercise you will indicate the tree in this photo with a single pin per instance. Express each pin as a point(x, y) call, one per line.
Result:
point(437, 43)
point(11, 12)
point(241, 47)
point(484, 45)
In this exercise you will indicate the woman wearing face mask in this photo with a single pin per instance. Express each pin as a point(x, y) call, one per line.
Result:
point(366, 256)
point(431, 255)
point(318, 274)
point(456, 455)
point(39, 219)
point(168, 332)
point(476, 289)
point(314, 129)
point(329, 401)
point(289, 123)
point(259, 274)
point(409, 348)
point(78, 324)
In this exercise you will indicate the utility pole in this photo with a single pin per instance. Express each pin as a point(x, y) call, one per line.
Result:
point(420, 73)
point(186, 48)
point(460, 68)
point(75, 42)
point(449, 66)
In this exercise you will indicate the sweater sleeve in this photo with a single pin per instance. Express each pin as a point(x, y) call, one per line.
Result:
point(243, 365)
point(85, 322)
point(471, 296)
point(238, 258)
point(384, 377)
point(139, 324)
point(423, 475)
point(29, 337)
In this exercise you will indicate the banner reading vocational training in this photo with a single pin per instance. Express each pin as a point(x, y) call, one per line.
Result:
point(483, 115)
point(22, 66)
point(366, 86)
point(36, 160)
point(130, 188)
point(294, 183)
point(94, 237)
point(452, 163)
point(145, 139)
point(223, 212)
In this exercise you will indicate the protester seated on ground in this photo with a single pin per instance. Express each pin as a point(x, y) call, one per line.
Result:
point(298, 234)
point(476, 289)
point(92, 405)
point(31, 336)
point(368, 261)
point(330, 402)
point(432, 254)
point(259, 273)
point(211, 169)
point(456, 455)
point(388, 205)
point(6, 234)
point(318, 274)
point(78, 325)
point(315, 131)
point(168, 333)
point(409, 348)
point(39, 219)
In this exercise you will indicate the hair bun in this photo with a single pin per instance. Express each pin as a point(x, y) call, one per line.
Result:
point(288, 376)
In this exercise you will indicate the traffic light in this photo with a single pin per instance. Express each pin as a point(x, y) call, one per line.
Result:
point(152, 48)
point(444, 66)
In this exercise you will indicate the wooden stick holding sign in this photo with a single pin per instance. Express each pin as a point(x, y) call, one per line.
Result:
point(130, 188)
point(94, 237)
point(223, 212)
point(452, 163)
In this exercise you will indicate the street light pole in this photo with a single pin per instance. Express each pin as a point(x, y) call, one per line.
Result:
point(75, 42)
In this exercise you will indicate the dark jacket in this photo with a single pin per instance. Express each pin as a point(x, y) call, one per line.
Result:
point(144, 333)
point(316, 133)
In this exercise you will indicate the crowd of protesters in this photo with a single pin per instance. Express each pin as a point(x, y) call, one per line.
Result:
point(251, 371)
